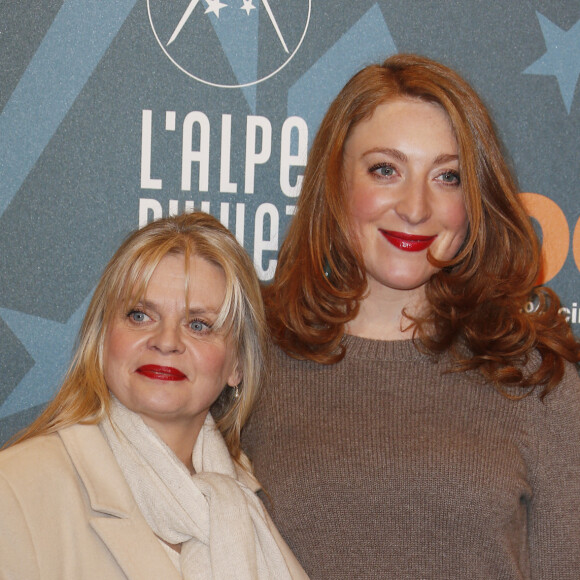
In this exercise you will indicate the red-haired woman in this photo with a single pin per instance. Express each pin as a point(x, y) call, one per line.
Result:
point(426, 418)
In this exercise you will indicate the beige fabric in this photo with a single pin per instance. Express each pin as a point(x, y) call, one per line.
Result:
point(219, 521)
point(66, 513)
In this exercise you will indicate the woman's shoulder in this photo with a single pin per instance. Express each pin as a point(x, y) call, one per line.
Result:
point(43, 454)
point(60, 469)
point(34, 470)
point(566, 395)
point(567, 388)
point(36, 450)
point(557, 410)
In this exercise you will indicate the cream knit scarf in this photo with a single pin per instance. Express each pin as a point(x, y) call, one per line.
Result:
point(218, 520)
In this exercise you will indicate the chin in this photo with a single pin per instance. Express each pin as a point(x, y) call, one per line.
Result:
point(406, 283)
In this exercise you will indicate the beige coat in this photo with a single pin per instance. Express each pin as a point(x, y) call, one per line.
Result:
point(66, 513)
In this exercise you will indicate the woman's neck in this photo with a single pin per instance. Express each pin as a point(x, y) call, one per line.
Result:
point(380, 315)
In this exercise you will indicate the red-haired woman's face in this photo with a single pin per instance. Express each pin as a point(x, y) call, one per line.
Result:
point(405, 196)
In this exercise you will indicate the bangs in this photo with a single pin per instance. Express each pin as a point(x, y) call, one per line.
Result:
point(229, 318)
point(132, 288)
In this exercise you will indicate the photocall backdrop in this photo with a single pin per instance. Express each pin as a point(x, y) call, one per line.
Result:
point(116, 112)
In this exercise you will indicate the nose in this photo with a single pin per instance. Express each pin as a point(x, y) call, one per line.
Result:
point(413, 205)
point(167, 339)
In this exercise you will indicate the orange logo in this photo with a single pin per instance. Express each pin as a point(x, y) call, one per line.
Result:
point(555, 234)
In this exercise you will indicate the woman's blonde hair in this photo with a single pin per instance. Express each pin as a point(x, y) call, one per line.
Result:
point(477, 300)
point(84, 396)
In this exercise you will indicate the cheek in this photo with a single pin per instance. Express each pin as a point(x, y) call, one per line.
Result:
point(114, 346)
point(455, 216)
point(455, 225)
point(214, 359)
point(110, 363)
point(365, 205)
point(117, 349)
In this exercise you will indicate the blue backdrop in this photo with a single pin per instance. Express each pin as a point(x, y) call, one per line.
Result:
point(113, 112)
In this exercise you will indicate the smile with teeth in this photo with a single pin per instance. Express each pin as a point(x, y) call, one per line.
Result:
point(161, 373)
point(408, 242)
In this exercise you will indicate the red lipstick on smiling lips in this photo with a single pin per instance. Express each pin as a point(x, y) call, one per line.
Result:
point(408, 242)
point(161, 373)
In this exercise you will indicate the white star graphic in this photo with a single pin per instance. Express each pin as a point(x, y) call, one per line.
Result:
point(215, 6)
point(248, 6)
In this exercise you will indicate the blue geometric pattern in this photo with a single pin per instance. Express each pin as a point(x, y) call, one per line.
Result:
point(50, 345)
point(231, 26)
point(79, 51)
point(367, 41)
point(73, 46)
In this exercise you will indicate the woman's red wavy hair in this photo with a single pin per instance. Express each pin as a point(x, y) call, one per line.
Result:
point(479, 301)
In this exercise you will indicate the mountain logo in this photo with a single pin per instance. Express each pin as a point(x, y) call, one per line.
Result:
point(230, 43)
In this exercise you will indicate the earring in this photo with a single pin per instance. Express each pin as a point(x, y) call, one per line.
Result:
point(237, 391)
point(326, 268)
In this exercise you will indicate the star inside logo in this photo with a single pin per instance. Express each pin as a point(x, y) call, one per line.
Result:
point(230, 43)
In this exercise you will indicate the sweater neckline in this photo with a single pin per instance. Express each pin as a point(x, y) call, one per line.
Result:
point(371, 349)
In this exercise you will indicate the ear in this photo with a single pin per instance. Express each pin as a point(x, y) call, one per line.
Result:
point(235, 377)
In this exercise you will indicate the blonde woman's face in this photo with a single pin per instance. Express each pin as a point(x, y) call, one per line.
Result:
point(402, 172)
point(163, 359)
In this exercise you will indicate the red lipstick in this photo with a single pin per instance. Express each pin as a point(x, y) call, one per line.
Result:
point(161, 373)
point(408, 242)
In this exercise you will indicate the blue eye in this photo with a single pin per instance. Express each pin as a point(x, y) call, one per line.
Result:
point(383, 169)
point(450, 177)
point(199, 326)
point(137, 316)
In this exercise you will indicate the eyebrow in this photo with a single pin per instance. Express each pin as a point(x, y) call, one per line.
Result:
point(195, 311)
point(445, 158)
point(388, 151)
point(400, 156)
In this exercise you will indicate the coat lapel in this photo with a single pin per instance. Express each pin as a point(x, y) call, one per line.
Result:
point(115, 517)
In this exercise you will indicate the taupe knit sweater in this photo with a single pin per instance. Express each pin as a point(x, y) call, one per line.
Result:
point(382, 466)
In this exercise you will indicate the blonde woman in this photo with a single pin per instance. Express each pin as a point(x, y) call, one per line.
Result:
point(135, 470)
